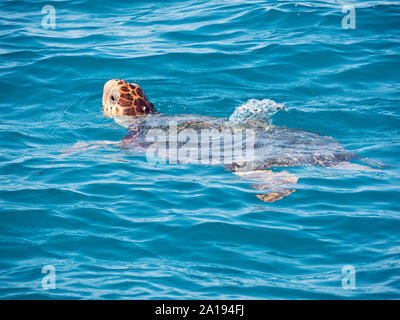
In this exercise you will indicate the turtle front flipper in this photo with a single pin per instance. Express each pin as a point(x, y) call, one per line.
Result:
point(270, 181)
point(81, 146)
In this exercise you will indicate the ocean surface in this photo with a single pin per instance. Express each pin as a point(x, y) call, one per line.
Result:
point(105, 223)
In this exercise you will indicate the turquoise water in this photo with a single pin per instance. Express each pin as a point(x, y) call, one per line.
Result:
point(115, 226)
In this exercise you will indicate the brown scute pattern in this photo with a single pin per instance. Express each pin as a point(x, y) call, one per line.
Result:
point(124, 103)
point(129, 111)
point(140, 102)
point(132, 100)
point(139, 92)
point(126, 96)
point(139, 110)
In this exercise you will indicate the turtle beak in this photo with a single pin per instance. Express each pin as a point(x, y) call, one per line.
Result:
point(106, 92)
point(110, 97)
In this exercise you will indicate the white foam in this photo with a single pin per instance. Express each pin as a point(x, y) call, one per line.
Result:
point(254, 110)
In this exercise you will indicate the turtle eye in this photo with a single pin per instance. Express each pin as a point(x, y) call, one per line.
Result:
point(112, 98)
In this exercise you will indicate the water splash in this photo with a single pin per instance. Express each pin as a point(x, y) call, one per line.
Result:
point(254, 110)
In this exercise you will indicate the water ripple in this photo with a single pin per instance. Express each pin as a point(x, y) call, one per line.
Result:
point(116, 226)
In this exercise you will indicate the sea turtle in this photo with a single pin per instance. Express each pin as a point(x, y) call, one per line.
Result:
point(273, 146)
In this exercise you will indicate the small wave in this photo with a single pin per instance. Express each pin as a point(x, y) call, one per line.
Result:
point(254, 110)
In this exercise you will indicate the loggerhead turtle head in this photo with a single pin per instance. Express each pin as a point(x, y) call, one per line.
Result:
point(123, 98)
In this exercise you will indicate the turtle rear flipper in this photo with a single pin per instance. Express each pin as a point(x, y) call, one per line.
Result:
point(276, 195)
point(271, 181)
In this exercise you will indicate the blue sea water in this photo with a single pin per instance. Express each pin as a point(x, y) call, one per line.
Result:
point(115, 226)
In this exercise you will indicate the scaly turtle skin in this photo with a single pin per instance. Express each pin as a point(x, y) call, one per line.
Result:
point(123, 98)
point(274, 146)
